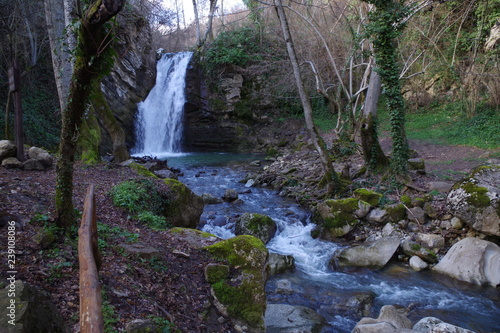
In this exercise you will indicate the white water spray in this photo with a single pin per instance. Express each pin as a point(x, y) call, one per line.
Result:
point(159, 121)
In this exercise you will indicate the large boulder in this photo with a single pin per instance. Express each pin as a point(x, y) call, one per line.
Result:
point(184, 207)
point(374, 254)
point(240, 292)
point(472, 260)
point(336, 218)
point(261, 226)
point(284, 318)
point(476, 200)
point(279, 263)
point(388, 321)
point(41, 155)
point(435, 325)
point(28, 310)
point(7, 149)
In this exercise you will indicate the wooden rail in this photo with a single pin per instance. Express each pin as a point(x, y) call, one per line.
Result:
point(90, 260)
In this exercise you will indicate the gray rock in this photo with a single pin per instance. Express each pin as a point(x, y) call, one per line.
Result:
point(456, 223)
point(284, 287)
point(388, 321)
point(418, 264)
point(12, 163)
point(230, 195)
point(430, 241)
point(442, 187)
point(34, 312)
point(210, 199)
point(435, 325)
point(472, 260)
point(416, 214)
point(165, 173)
point(141, 250)
point(279, 263)
point(41, 155)
point(377, 215)
point(374, 254)
point(7, 149)
point(284, 318)
point(33, 164)
point(258, 225)
point(476, 200)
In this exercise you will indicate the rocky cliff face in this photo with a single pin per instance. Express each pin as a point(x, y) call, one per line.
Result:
point(225, 114)
point(133, 74)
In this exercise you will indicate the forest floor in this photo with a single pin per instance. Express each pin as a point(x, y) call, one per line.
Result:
point(171, 286)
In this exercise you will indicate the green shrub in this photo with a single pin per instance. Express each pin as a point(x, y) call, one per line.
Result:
point(153, 221)
point(138, 195)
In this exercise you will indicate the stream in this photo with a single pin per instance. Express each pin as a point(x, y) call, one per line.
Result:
point(339, 297)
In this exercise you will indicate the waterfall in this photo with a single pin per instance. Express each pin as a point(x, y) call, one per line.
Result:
point(159, 118)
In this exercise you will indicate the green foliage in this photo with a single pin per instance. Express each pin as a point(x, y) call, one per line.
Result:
point(235, 47)
point(163, 324)
point(137, 195)
point(155, 222)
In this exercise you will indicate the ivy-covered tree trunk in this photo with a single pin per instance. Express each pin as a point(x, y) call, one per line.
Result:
point(372, 152)
point(384, 27)
point(331, 177)
point(92, 60)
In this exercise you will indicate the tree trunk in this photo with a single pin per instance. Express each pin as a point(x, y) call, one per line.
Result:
point(209, 33)
point(333, 182)
point(197, 23)
point(372, 152)
point(91, 62)
point(62, 42)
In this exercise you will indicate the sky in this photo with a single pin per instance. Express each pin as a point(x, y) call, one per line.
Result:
point(188, 6)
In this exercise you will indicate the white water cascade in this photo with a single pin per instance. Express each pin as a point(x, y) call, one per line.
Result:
point(159, 121)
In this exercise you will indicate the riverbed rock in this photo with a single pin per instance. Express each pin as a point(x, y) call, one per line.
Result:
point(185, 207)
point(258, 225)
point(370, 196)
point(338, 217)
point(279, 263)
point(230, 195)
point(418, 264)
point(7, 149)
point(34, 312)
point(377, 216)
point(435, 325)
point(476, 200)
point(242, 295)
point(472, 260)
point(430, 241)
point(388, 321)
point(284, 318)
point(373, 254)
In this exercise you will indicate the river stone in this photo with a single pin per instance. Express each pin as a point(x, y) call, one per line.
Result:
point(435, 325)
point(41, 155)
point(284, 318)
point(476, 200)
point(185, 207)
point(388, 321)
point(7, 149)
point(430, 241)
point(374, 254)
point(472, 260)
point(242, 294)
point(377, 215)
point(165, 173)
point(34, 312)
point(418, 264)
point(210, 199)
point(370, 196)
point(258, 225)
point(230, 195)
point(279, 263)
point(338, 217)
point(284, 287)
point(360, 303)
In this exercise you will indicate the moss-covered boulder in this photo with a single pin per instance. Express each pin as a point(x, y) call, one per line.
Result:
point(258, 225)
point(476, 200)
point(184, 208)
point(395, 212)
point(372, 197)
point(240, 293)
point(336, 218)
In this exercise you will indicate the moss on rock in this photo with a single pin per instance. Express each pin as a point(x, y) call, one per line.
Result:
point(372, 197)
point(242, 293)
point(337, 217)
point(184, 207)
point(142, 170)
point(258, 225)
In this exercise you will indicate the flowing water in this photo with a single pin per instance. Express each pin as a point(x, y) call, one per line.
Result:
point(159, 119)
point(315, 284)
point(334, 295)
